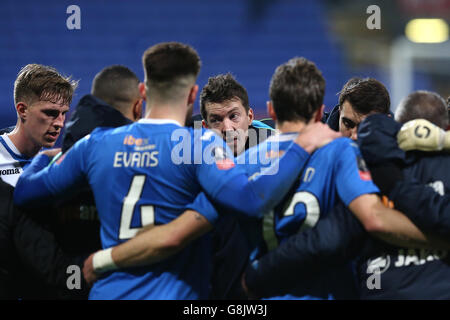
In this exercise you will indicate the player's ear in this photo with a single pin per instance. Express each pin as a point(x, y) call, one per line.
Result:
point(204, 124)
point(319, 113)
point(192, 94)
point(137, 109)
point(250, 115)
point(271, 111)
point(22, 109)
point(142, 91)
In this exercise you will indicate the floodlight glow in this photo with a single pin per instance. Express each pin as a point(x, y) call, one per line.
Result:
point(427, 30)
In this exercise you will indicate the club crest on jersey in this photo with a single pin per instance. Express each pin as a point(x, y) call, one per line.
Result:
point(364, 172)
point(222, 161)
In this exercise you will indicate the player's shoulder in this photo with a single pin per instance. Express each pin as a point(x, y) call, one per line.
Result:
point(97, 135)
point(281, 141)
point(100, 131)
point(338, 148)
point(340, 144)
point(268, 150)
point(204, 137)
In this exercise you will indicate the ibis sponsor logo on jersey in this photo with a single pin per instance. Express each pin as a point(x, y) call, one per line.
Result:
point(140, 157)
point(139, 144)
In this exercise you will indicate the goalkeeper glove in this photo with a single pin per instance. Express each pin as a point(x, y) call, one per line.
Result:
point(421, 134)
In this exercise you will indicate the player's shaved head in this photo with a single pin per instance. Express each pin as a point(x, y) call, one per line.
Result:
point(170, 67)
point(423, 105)
point(117, 85)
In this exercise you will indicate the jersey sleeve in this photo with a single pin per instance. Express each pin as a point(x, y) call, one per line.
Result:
point(427, 209)
point(40, 184)
point(229, 185)
point(39, 250)
point(334, 240)
point(352, 175)
point(203, 206)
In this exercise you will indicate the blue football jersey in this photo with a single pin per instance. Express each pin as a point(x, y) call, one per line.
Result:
point(136, 181)
point(335, 171)
point(148, 173)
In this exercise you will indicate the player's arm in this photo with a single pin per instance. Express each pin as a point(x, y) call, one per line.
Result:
point(421, 134)
point(41, 184)
point(149, 246)
point(235, 191)
point(386, 161)
point(425, 207)
point(358, 192)
point(387, 224)
point(155, 243)
point(332, 242)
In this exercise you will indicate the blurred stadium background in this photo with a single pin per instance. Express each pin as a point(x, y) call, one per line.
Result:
point(248, 38)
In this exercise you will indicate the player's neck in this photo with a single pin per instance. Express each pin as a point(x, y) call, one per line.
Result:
point(172, 111)
point(24, 144)
point(291, 126)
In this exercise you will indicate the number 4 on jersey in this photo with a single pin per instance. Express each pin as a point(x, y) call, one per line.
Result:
point(129, 202)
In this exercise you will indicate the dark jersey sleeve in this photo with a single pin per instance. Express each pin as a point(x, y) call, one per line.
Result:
point(41, 254)
point(35, 259)
point(426, 208)
point(332, 242)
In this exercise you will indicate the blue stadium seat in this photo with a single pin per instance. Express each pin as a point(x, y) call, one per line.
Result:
point(230, 36)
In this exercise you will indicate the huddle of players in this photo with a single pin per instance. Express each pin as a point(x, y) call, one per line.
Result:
point(295, 185)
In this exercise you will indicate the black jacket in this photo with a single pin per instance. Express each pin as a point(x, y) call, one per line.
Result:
point(78, 224)
point(32, 264)
point(90, 113)
point(6, 130)
point(332, 118)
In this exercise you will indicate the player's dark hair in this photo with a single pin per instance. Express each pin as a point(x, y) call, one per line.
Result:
point(366, 96)
point(116, 85)
point(38, 82)
point(220, 88)
point(423, 105)
point(297, 89)
point(167, 66)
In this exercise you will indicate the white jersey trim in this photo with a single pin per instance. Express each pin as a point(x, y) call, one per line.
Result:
point(281, 137)
point(160, 121)
point(11, 145)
